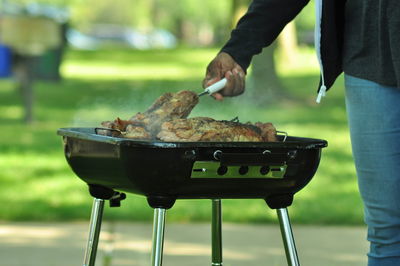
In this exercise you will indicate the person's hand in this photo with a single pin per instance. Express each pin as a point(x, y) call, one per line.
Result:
point(223, 65)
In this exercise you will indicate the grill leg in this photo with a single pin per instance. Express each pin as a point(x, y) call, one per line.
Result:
point(216, 233)
point(94, 232)
point(158, 236)
point(287, 236)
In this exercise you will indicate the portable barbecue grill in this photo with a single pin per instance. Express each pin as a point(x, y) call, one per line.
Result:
point(166, 171)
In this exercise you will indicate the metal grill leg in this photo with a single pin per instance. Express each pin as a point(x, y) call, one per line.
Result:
point(94, 232)
point(158, 236)
point(216, 233)
point(287, 236)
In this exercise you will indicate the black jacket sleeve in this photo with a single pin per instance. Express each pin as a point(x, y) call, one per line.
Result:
point(259, 27)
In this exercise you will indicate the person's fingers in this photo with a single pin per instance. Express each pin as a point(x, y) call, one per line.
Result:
point(237, 83)
point(227, 90)
point(240, 80)
point(218, 96)
point(243, 82)
point(239, 69)
point(234, 84)
point(209, 82)
point(233, 87)
point(204, 83)
point(230, 84)
point(213, 73)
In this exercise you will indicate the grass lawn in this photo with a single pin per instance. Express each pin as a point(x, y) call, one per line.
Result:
point(37, 184)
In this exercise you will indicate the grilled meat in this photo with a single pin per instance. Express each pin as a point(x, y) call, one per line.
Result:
point(119, 124)
point(166, 120)
point(167, 107)
point(136, 132)
point(208, 129)
point(268, 131)
point(119, 128)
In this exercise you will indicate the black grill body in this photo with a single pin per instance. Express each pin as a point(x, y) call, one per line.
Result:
point(165, 171)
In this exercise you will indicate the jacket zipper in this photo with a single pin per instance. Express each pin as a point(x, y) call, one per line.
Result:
point(317, 44)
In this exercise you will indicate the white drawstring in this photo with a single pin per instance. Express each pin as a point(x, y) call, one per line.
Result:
point(321, 93)
point(317, 40)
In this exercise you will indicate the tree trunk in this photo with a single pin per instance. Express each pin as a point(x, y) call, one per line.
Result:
point(287, 42)
point(263, 85)
point(155, 13)
point(239, 8)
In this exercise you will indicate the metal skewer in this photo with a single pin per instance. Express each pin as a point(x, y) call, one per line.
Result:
point(214, 88)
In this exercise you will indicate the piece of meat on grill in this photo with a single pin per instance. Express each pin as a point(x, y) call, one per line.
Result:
point(167, 107)
point(119, 124)
point(136, 132)
point(268, 131)
point(120, 127)
point(165, 120)
point(208, 129)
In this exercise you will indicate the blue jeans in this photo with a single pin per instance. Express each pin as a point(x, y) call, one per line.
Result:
point(374, 120)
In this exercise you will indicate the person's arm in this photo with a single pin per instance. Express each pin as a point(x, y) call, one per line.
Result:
point(258, 28)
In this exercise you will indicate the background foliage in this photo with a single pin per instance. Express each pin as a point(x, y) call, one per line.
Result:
point(190, 17)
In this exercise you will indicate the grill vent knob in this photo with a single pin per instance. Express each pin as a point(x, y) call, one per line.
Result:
point(264, 170)
point(222, 170)
point(243, 170)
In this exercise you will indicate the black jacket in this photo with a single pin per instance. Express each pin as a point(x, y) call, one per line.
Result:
point(265, 19)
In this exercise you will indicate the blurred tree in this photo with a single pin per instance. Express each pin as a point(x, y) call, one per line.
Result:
point(287, 43)
point(203, 22)
point(306, 19)
point(195, 21)
point(305, 22)
point(191, 20)
point(263, 82)
point(239, 8)
point(125, 12)
point(263, 85)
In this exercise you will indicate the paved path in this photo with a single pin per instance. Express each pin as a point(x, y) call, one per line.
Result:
point(62, 244)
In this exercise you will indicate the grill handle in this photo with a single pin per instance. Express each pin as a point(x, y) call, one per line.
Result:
point(250, 159)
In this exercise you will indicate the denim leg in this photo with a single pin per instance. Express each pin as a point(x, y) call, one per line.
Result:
point(374, 120)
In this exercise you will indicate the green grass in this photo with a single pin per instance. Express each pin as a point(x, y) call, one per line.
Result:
point(37, 184)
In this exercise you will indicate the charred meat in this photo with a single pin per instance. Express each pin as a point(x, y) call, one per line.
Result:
point(167, 107)
point(208, 129)
point(166, 120)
